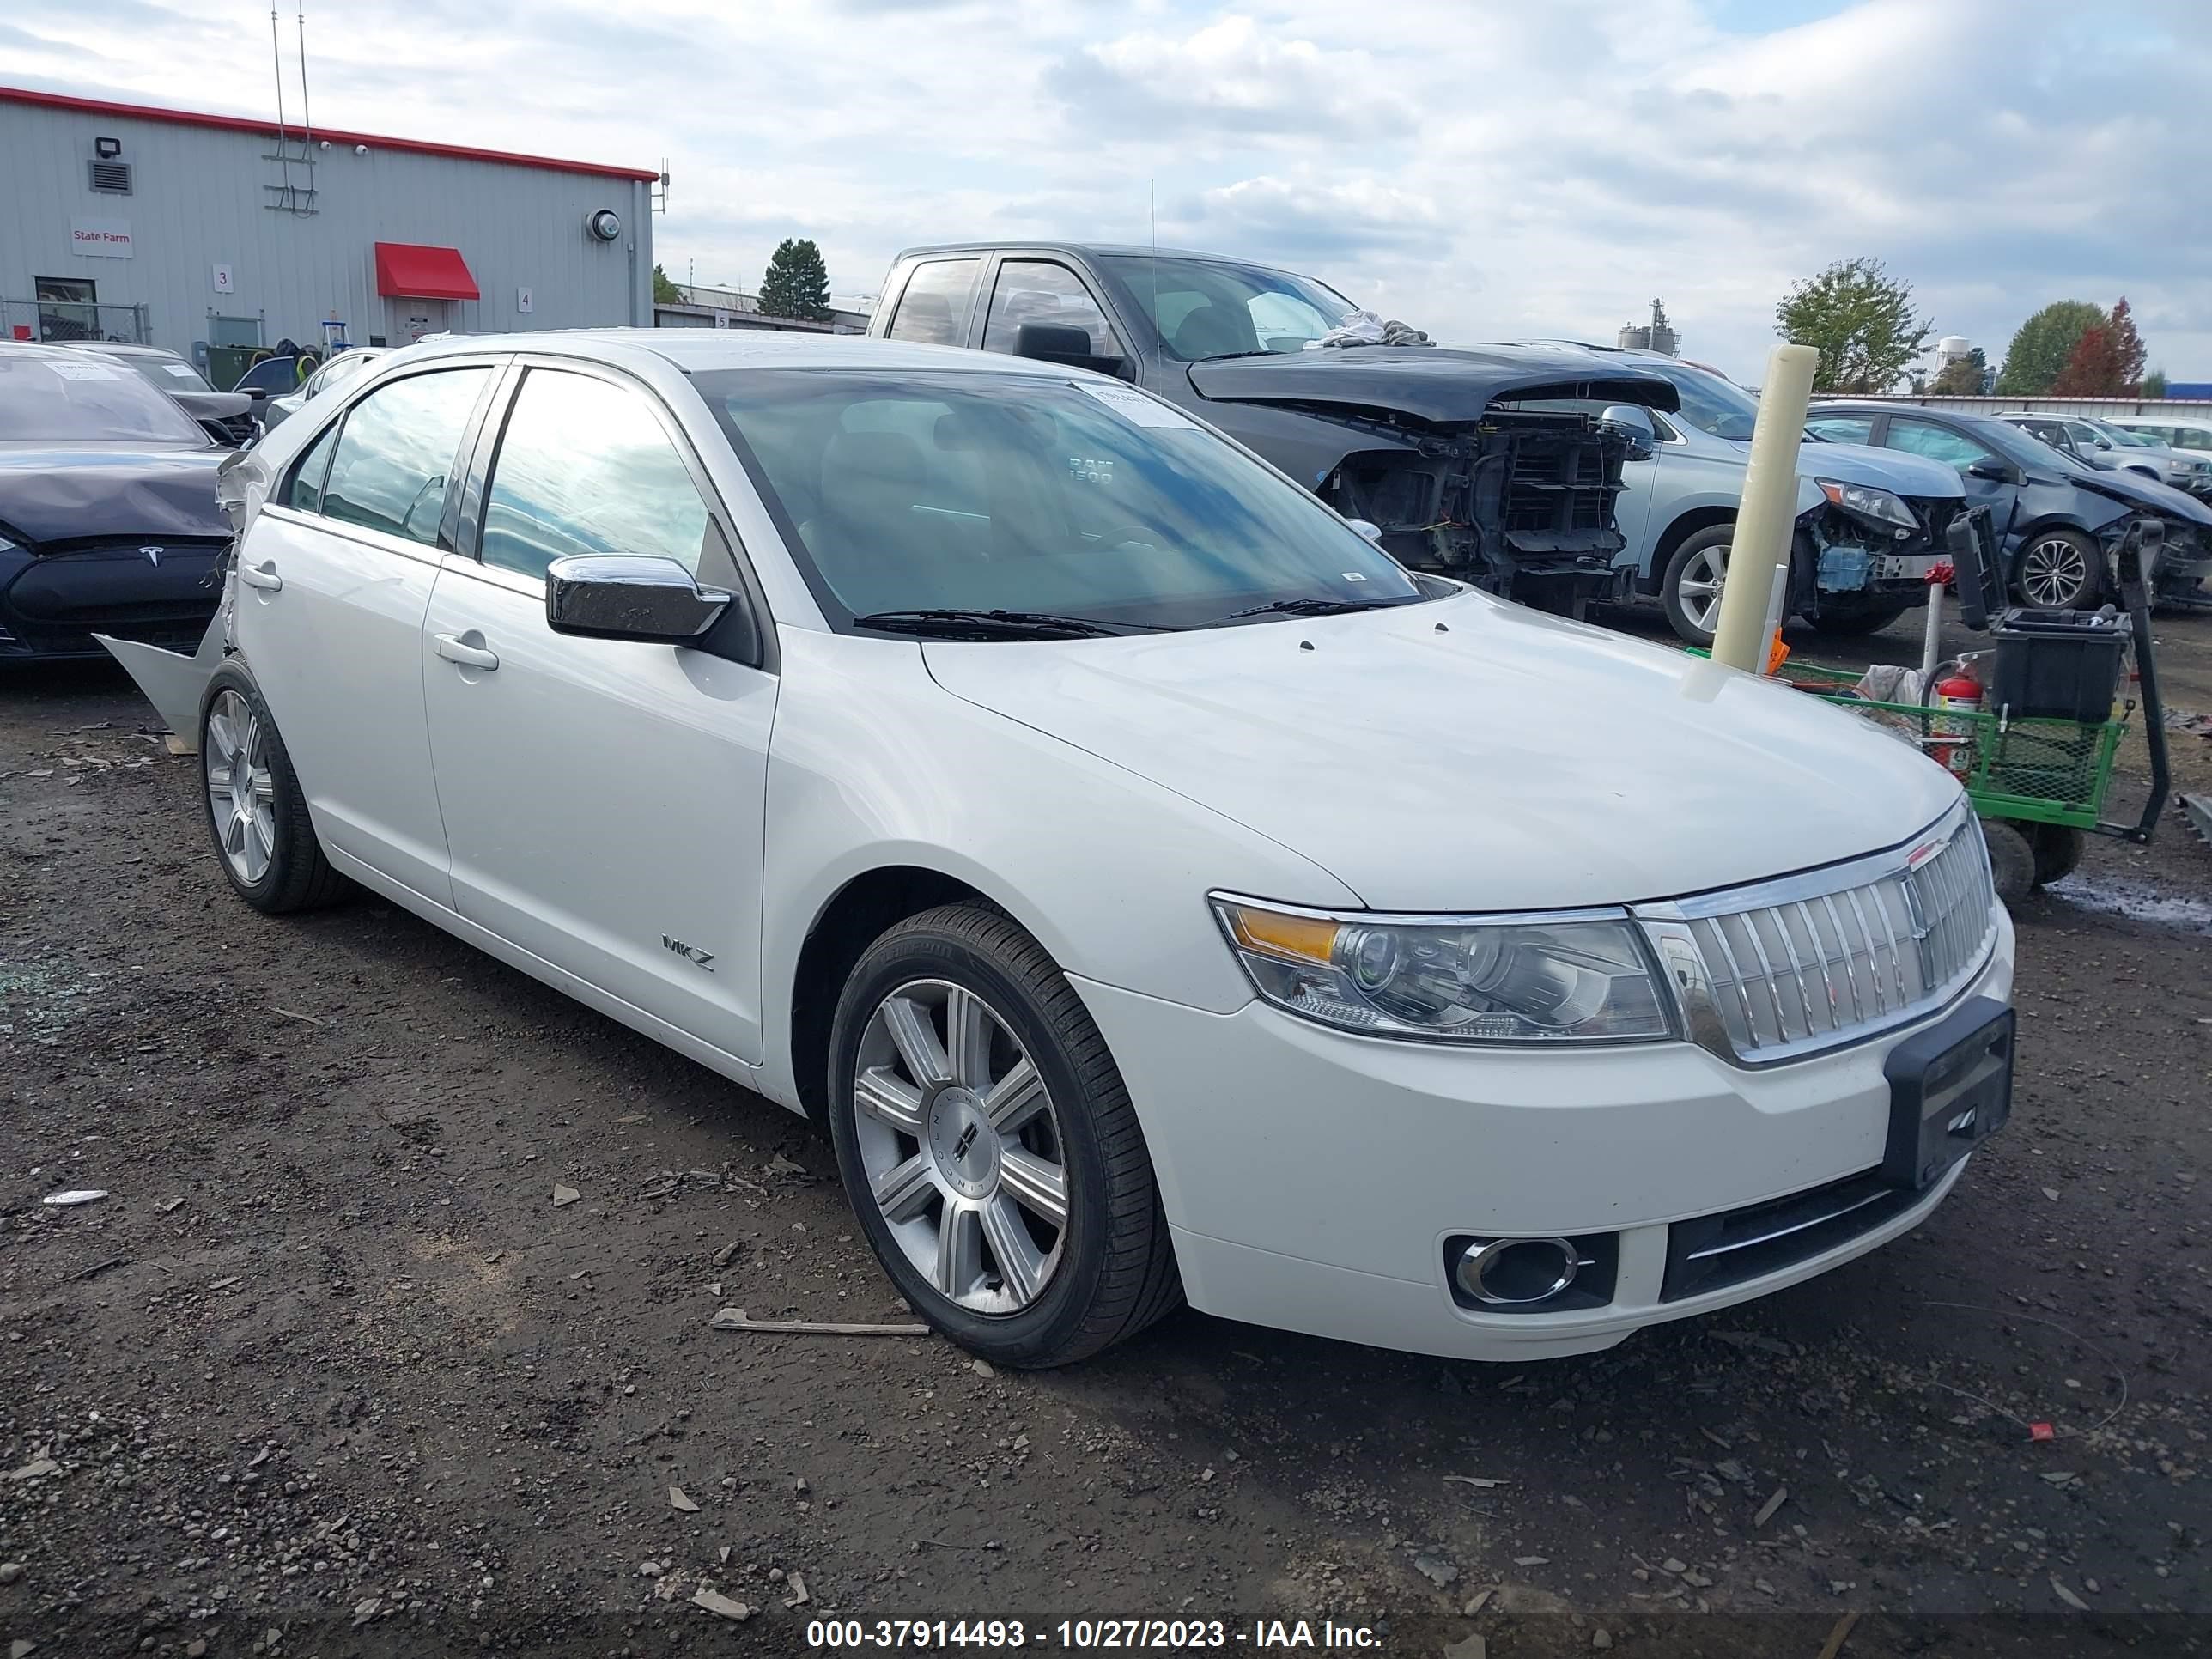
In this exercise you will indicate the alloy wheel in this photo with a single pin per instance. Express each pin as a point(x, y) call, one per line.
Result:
point(1703, 580)
point(241, 791)
point(961, 1146)
point(2054, 573)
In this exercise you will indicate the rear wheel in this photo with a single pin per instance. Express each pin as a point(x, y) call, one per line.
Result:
point(2059, 569)
point(988, 1146)
point(2057, 851)
point(2012, 859)
point(256, 813)
point(1696, 576)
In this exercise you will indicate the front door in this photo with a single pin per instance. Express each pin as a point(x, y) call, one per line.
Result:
point(415, 319)
point(333, 581)
point(603, 798)
point(1917, 436)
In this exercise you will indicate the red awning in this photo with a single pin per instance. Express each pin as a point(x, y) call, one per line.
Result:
point(409, 270)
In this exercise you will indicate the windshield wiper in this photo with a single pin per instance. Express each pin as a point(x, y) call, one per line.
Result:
point(1314, 604)
point(1010, 622)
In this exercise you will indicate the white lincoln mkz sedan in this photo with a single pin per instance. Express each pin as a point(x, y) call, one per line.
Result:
point(1161, 894)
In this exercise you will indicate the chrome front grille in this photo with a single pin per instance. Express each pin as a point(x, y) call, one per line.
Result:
point(1791, 966)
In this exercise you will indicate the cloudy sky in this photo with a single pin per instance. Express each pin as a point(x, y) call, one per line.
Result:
point(1487, 169)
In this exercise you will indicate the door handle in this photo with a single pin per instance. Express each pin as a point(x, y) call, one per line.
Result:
point(262, 575)
point(455, 649)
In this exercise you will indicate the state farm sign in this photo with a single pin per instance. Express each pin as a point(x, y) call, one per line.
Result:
point(101, 239)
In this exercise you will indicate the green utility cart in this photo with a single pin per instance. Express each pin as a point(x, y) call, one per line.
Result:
point(2039, 784)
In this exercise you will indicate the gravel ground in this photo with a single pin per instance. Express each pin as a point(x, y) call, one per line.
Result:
point(330, 1369)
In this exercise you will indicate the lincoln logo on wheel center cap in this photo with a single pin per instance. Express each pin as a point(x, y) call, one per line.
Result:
point(962, 1143)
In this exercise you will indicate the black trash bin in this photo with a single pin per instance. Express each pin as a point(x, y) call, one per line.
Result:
point(2059, 664)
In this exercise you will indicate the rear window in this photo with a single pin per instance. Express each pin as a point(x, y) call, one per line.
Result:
point(86, 399)
point(934, 310)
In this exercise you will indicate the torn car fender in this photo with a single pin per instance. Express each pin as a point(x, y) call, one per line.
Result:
point(174, 684)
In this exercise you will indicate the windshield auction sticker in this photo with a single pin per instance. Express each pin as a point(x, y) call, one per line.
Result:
point(1134, 405)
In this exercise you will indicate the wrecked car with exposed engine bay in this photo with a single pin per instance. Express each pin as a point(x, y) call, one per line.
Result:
point(1414, 441)
point(1870, 522)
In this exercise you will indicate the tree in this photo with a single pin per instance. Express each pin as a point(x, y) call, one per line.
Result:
point(2040, 350)
point(1963, 377)
point(797, 284)
point(664, 292)
point(1860, 320)
point(2094, 369)
point(2128, 347)
point(2154, 384)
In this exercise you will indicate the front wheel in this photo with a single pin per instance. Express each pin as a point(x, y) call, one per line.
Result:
point(988, 1146)
point(2059, 570)
point(1696, 576)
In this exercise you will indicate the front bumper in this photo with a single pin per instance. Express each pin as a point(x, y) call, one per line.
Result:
point(1312, 1179)
point(51, 605)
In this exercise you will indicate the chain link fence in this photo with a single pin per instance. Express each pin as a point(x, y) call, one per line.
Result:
point(62, 320)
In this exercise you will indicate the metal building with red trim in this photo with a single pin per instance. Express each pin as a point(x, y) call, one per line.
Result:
point(199, 231)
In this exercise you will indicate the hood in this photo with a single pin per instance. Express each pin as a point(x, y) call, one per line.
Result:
point(62, 492)
point(1517, 761)
point(214, 405)
point(1428, 382)
point(1913, 476)
point(2138, 491)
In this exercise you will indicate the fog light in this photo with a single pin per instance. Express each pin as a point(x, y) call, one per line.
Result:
point(1511, 1272)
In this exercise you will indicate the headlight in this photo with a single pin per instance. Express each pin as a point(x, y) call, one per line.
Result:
point(1868, 502)
point(1585, 978)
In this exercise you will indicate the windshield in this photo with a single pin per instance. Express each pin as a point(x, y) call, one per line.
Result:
point(1710, 403)
point(2122, 437)
point(984, 491)
point(85, 399)
point(1201, 308)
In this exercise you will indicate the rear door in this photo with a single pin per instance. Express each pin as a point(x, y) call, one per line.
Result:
point(603, 800)
point(335, 574)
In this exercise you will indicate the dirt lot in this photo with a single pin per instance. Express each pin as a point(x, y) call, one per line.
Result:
point(328, 1371)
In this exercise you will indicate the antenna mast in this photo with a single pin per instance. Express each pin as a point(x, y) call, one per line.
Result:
point(306, 119)
point(283, 141)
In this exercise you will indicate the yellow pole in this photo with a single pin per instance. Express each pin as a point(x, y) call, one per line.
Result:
point(1769, 508)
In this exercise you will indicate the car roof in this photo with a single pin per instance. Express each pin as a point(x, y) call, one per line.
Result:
point(696, 350)
point(53, 348)
point(123, 348)
point(1091, 251)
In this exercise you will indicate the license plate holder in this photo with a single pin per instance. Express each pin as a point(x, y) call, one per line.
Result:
point(1950, 1089)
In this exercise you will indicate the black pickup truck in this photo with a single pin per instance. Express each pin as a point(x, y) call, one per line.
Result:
point(1407, 439)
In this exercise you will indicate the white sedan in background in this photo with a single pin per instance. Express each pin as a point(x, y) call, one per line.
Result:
point(1160, 892)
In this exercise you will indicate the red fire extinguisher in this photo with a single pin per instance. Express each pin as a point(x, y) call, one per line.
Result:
point(1953, 748)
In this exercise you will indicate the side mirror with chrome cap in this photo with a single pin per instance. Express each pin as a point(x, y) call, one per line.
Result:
point(625, 595)
point(1632, 422)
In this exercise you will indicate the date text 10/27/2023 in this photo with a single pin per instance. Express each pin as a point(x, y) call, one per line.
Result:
point(1089, 1634)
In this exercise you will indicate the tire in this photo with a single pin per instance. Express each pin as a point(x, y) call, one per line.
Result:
point(1691, 614)
point(2012, 860)
point(925, 1151)
point(1856, 620)
point(2057, 850)
point(2059, 569)
point(264, 840)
